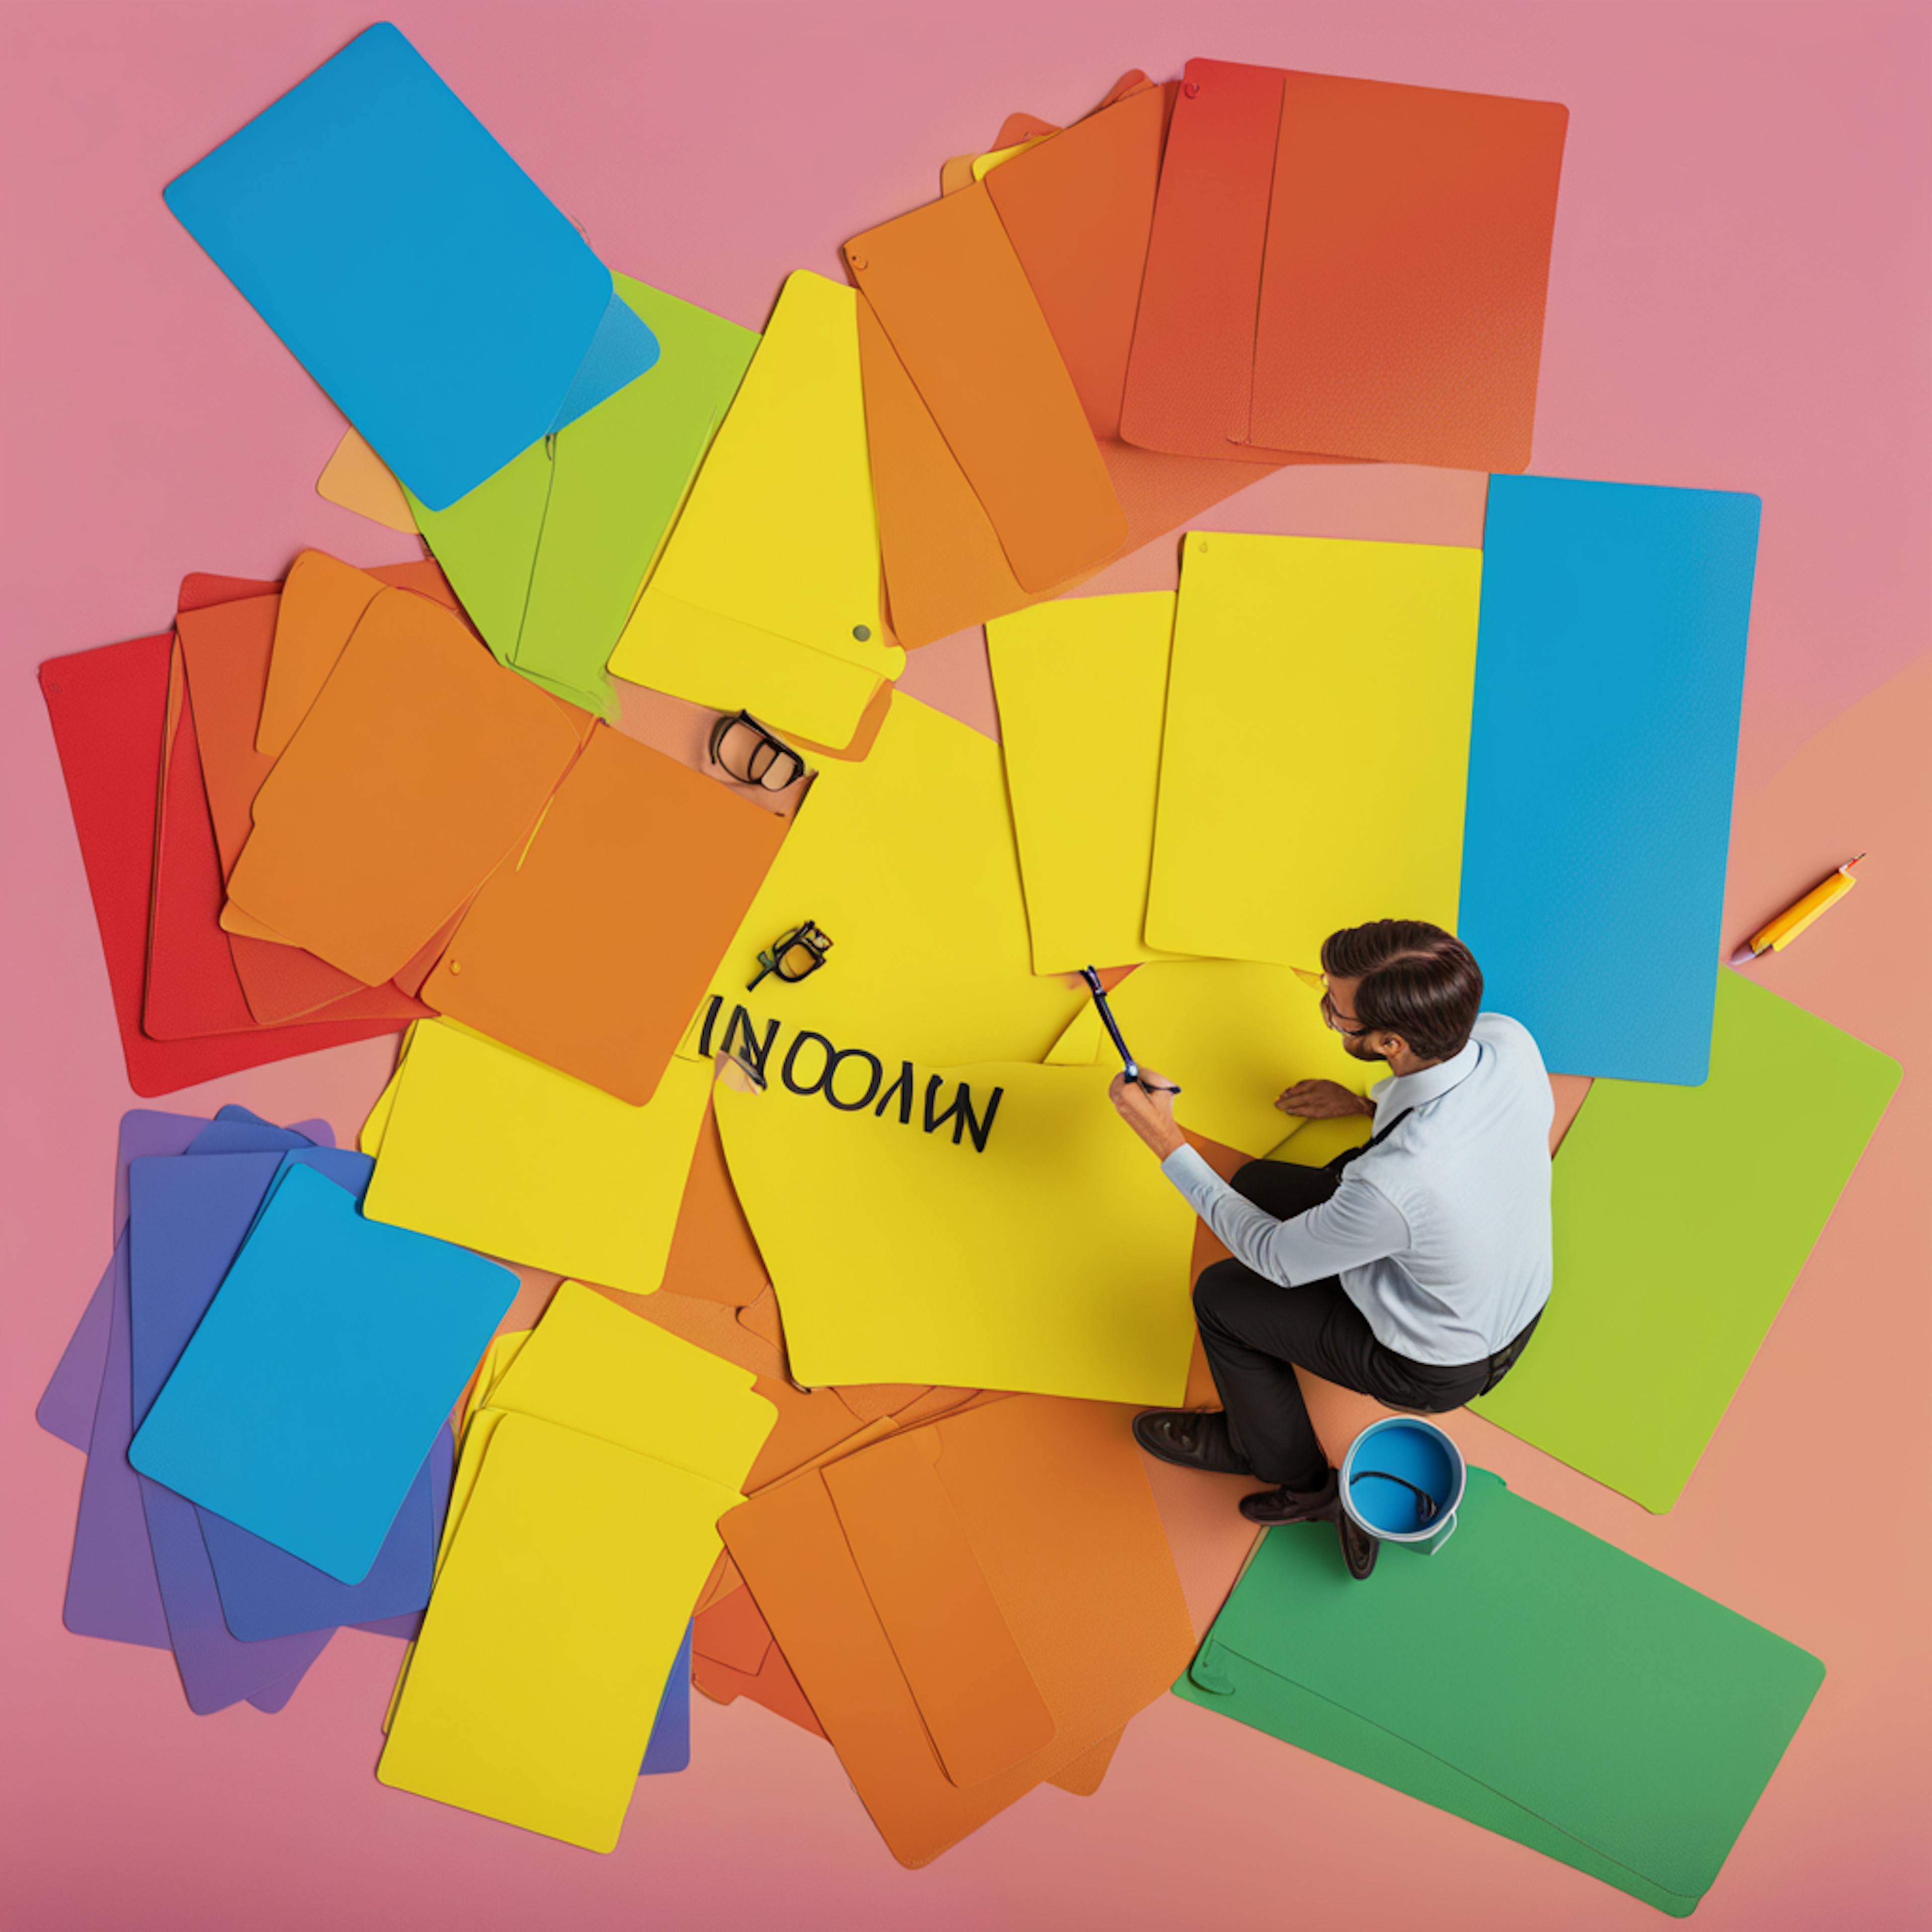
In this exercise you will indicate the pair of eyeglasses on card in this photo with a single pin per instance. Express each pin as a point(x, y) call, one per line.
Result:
point(794, 955)
point(745, 750)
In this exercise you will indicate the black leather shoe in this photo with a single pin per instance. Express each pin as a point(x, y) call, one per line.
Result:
point(1359, 1548)
point(1195, 1439)
point(1272, 1506)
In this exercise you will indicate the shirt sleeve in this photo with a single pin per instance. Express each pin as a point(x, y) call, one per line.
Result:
point(1358, 1224)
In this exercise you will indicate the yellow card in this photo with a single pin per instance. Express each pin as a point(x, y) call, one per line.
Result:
point(1082, 686)
point(984, 164)
point(989, 1226)
point(1232, 1036)
point(556, 1616)
point(769, 593)
point(1317, 744)
point(497, 1151)
point(590, 1365)
point(1319, 1141)
point(498, 1357)
point(906, 858)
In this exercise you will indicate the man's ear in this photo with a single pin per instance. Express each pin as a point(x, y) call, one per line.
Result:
point(1388, 1044)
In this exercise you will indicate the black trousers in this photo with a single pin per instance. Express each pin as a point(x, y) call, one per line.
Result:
point(1254, 1331)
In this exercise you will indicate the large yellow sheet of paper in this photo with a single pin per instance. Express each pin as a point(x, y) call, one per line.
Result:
point(485, 1146)
point(1082, 688)
point(557, 1615)
point(937, 1233)
point(907, 859)
point(1317, 744)
point(768, 595)
point(1233, 1036)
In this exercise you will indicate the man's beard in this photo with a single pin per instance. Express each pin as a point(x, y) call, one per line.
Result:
point(1358, 1049)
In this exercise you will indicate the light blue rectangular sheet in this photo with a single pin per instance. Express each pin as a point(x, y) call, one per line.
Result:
point(311, 1393)
point(451, 310)
point(1609, 672)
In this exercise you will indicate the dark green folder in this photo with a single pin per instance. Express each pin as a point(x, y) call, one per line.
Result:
point(548, 554)
point(1682, 1215)
point(1529, 1678)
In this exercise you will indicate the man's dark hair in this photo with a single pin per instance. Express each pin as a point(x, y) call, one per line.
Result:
point(1417, 980)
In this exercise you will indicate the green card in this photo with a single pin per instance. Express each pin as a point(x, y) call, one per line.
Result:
point(548, 555)
point(1682, 1215)
point(1529, 1678)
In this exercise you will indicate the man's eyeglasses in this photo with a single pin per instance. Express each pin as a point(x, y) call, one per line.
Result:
point(796, 955)
point(1333, 1019)
point(750, 754)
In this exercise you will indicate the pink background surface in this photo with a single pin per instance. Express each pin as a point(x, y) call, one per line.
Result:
point(1741, 296)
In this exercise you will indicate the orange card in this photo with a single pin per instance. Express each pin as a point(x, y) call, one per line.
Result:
point(1076, 212)
point(590, 947)
point(322, 601)
point(1048, 1500)
point(944, 283)
point(982, 1711)
point(713, 1257)
point(1348, 267)
point(421, 764)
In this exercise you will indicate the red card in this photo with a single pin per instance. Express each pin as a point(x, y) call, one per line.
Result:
point(1351, 267)
point(108, 708)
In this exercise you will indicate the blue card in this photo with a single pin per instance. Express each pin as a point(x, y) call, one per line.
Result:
point(1610, 673)
point(451, 310)
point(186, 1221)
point(304, 1405)
point(670, 1746)
point(192, 1222)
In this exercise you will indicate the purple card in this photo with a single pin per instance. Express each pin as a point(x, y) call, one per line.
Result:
point(113, 1590)
point(669, 1747)
point(66, 1408)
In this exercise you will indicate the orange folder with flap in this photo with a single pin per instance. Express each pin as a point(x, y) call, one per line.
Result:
point(421, 765)
point(1055, 1591)
point(590, 946)
point(1352, 268)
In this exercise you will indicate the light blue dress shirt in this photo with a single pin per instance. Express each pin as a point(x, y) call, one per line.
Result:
point(1440, 1235)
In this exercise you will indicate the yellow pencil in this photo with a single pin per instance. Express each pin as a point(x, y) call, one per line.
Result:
point(1779, 933)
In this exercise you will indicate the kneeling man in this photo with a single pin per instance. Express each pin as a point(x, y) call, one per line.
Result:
point(1412, 1269)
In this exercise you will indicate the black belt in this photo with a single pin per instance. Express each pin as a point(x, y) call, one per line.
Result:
point(1505, 1359)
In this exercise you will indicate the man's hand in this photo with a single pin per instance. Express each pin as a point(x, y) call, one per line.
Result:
point(1150, 1114)
point(1323, 1100)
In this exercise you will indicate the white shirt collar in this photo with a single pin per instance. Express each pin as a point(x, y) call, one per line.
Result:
point(1429, 1083)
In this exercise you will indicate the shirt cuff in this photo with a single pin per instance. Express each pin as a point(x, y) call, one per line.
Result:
point(1191, 1173)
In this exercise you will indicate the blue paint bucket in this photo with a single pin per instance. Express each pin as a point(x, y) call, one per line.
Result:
point(1401, 1481)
